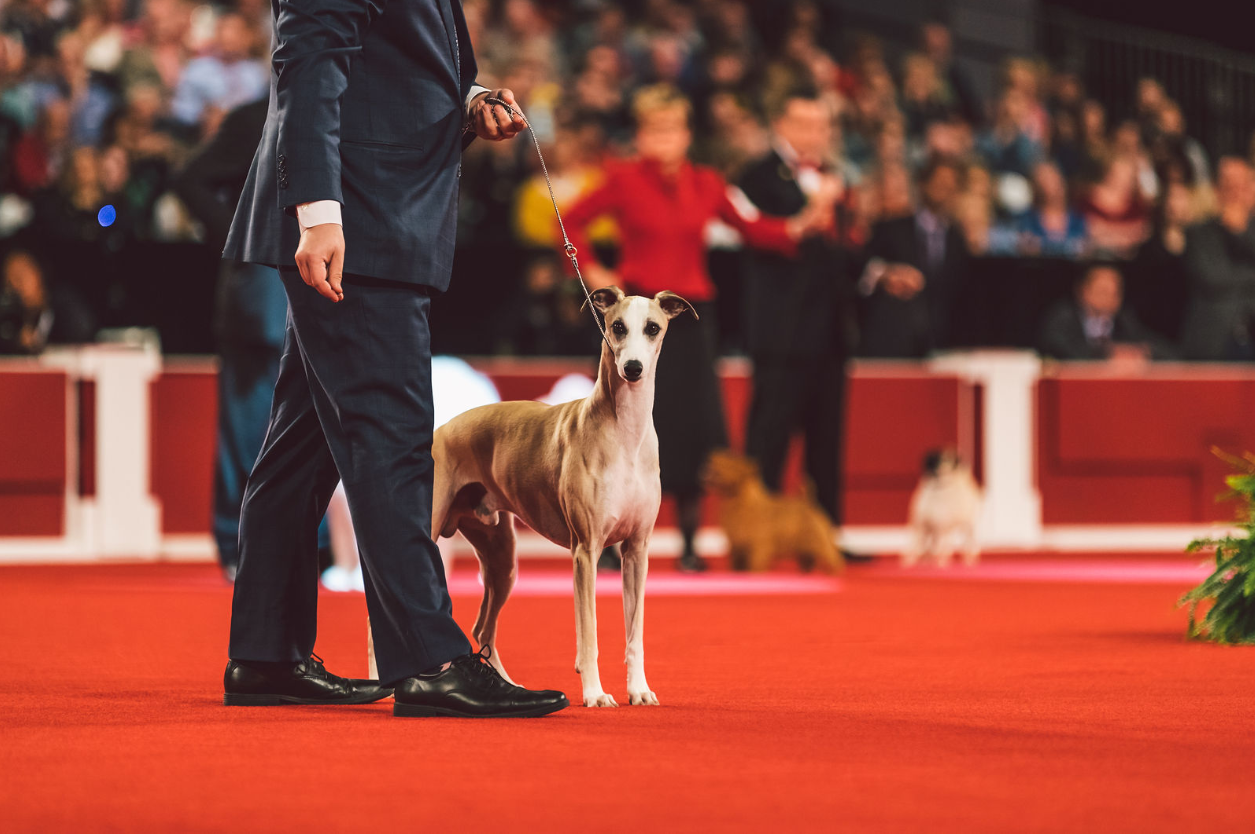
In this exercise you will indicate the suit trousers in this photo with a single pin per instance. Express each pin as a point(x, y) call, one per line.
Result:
point(807, 394)
point(252, 311)
point(353, 402)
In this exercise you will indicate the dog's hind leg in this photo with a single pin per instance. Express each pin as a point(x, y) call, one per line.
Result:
point(635, 567)
point(498, 565)
point(584, 556)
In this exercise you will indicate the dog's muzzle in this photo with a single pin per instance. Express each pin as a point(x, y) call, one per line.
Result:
point(632, 370)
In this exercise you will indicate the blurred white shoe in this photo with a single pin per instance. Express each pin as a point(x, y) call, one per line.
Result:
point(357, 579)
point(336, 578)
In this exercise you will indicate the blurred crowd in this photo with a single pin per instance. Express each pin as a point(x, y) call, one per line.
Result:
point(102, 101)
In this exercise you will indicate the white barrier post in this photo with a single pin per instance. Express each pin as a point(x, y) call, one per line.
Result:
point(1012, 510)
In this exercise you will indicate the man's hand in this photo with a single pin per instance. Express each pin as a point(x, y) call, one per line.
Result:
point(320, 258)
point(598, 276)
point(491, 121)
point(819, 214)
point(902, 281)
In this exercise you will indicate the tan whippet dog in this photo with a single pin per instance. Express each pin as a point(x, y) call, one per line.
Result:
point(582, 474)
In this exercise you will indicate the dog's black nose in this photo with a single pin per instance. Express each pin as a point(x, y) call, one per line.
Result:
point(632, 370)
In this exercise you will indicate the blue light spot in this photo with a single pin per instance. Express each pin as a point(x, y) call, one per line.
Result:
point(107, 215)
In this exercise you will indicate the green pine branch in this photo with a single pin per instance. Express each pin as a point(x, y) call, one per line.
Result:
point(1230, 589)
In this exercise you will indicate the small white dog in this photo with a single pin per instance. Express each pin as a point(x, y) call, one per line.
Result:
point(945, 509)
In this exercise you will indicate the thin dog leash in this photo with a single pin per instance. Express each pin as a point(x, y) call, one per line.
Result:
point(567, 246)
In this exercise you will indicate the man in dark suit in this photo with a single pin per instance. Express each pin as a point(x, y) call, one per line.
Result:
point(915, 275)
point(353, 196)
point(1096, 325)
point(799, 310)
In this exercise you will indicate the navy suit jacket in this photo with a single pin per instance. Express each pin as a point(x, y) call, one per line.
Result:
point(366, 108)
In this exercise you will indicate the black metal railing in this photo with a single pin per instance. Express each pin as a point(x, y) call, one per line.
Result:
point(1214, 86)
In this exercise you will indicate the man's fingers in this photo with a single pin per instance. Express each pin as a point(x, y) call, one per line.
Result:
point(336, 277)
point(488, 121)
point(318, 278)
point(501, 119)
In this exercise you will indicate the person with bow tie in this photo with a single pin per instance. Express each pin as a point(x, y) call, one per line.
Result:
point(800, 306)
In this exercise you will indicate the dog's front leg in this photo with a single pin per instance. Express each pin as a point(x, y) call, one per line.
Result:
point(635, 567)
point(585, 559)
point(372, 668)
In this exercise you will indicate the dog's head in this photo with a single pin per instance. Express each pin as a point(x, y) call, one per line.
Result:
point(635, 326)
point(942, 463)
point(726, 471)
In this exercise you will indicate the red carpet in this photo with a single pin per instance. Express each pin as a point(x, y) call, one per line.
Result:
point(895, 703)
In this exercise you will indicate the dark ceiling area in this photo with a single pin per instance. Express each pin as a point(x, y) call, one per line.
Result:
point(1222, 22)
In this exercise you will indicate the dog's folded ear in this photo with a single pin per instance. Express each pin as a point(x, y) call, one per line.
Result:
point(603, 299)
point(673, 305)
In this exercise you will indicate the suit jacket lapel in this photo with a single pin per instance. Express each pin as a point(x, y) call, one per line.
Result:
point(451, 32)
point(467, 66)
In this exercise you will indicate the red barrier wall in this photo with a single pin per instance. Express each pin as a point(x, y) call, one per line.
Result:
point(1127, 451)
point(32, 453)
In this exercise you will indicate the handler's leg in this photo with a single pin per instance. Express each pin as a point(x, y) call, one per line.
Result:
point(368, 360)
point(824, 424)
point(274, 616)
point(779, 386)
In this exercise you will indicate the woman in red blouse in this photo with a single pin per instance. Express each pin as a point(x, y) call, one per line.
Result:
point(662, 204)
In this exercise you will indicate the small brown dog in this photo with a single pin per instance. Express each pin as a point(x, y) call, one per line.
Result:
point(761, 525)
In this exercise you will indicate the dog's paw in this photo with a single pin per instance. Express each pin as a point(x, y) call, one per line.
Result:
point(645, 697)
point(604, 700)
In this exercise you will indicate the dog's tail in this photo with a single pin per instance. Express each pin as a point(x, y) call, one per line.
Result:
point(808, 491)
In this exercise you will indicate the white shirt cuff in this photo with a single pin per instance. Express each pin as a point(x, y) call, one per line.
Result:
point(872, 274)
point(470, 97)
point(318, 213)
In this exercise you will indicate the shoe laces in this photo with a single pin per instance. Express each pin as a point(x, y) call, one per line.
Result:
point(477, 664)
point(315, 666)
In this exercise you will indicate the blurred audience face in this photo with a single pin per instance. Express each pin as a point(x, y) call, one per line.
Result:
point(806, 125)
point(1171, 121)
point(1012, 110)
point(54, 123)
point(1022, 77)
point(22, 273)
point(891, 142)
point(603, 61)
point(1102, 291)
point(895, 192)
point(1234, 183)
point(115, 169)
point(235, 37)
point(936, 42)
point(978, 180)
point(940, 187)
point(1127, 140)
point(664, 135)
point(948, 139)
point(919, 78)
point(1093, 121)
point(1178, 206)
point(1068, 91)
point(1150, 96)
point(1121, 178)
point(1048, 185)
point(727, 68)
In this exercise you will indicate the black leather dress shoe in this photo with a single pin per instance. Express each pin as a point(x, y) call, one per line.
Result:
point(303, 683)
point(472, 688)
point(690, 563)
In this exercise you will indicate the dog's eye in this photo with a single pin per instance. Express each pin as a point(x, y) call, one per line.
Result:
point(619, 328)
point(652, 329)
